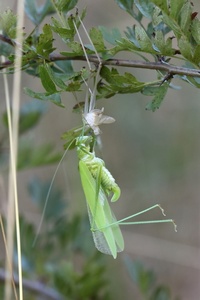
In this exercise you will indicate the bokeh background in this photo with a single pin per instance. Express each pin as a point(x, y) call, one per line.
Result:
point(154, 158)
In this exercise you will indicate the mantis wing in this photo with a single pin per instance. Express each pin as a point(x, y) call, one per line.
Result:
point(108, 239)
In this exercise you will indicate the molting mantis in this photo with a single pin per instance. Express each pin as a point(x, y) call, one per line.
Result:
point(97, 182)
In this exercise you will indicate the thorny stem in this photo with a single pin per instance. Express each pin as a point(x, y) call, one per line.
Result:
point(159, 66)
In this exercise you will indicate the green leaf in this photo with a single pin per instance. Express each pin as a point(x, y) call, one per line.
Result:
point(185, 18)
point(55, 98)
point(195, 30)
point(46, 79)
point(65, 66)
point(110, 36)
point(126, 5)
point(185, 47)
point(143, 39)
point(45, 42)
point(145, 7)
point(175, 8)
point(35, 13)
point(163, 5)
point(196, 55)
point(75, 47)
point(56, 79)
point(66, 33)
point(8, 22)
point(31, 10)
point(65, 5)
point(97, 39)
point(162, 46)
point(158, 93)
point(117, 83)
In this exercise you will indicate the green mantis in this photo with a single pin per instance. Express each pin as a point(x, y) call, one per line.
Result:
point(97, 182)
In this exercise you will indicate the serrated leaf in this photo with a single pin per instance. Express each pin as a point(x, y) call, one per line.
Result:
point(158, 93)
point(75, 47)
point(116, 83)
point(157, 17)
point(162, 46)
point(65, 5)
point(97, 39)
point(65, 33)
point(8, 22)
point(143, 39)
point(145, 7)
point(126, 5)
point(163, 5)
point(45, 42)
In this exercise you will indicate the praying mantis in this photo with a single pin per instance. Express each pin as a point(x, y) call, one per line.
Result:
point(98, 183)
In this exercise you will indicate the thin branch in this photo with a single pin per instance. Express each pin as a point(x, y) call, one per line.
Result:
point(159, 66)
point(35, 287)
point(7, 40)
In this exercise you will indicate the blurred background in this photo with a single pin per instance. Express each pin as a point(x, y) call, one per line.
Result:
point(154, 158)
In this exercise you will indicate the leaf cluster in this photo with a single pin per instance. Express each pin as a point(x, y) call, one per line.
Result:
point(162, 29)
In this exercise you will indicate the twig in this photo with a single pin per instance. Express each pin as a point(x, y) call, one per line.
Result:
point(7, 40)
point(159, 66)
point(34, 286)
